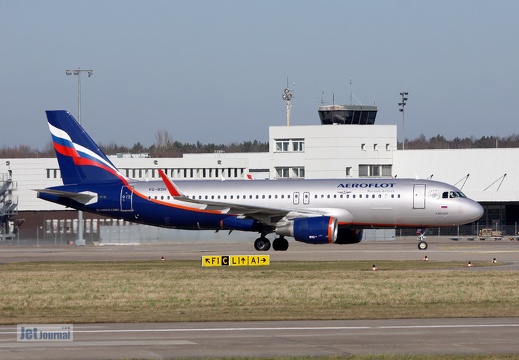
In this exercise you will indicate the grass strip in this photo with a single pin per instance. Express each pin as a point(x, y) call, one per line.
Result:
point(395, 357)
point(160, 291)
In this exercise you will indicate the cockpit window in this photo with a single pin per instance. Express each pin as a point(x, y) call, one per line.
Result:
point(453, 194)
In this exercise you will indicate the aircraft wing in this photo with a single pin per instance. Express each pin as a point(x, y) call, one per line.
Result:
point(85, 197)
point(266, 215)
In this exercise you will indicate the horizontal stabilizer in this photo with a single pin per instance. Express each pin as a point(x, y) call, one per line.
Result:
point(85, 197)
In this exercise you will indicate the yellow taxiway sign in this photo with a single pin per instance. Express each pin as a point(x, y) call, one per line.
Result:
point(236, 260)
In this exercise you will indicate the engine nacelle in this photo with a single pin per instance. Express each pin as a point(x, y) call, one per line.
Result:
point(312, 230)
point(349, 236)
point(235, 223)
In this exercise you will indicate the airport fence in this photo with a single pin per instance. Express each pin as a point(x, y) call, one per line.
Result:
point(469, 230)
point(125, 233)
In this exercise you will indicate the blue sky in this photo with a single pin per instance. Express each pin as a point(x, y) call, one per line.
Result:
point(214, 71)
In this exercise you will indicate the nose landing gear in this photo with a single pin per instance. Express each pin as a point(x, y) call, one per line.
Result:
point(422, 245)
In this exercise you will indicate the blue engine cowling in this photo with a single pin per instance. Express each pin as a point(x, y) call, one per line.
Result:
point(349, 236)
point(313, 230)
point(235, 223)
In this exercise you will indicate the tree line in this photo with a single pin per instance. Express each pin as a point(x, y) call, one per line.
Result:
point(165, 146)
point(440, 142)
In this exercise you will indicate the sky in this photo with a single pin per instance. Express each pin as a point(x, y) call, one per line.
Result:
point(214, 71)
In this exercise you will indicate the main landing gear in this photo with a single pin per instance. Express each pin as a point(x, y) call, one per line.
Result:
point(422, 245)
point(263, 244)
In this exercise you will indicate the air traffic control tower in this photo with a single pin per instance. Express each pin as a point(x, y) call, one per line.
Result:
point(347, 114)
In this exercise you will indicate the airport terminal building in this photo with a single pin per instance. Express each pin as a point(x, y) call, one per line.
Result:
point(347, 143)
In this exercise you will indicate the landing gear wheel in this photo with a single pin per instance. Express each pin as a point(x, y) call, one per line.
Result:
point(422, 245)
point(262, 244)
point(280, 244)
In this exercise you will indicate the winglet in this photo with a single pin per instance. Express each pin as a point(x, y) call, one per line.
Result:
point(172, 188)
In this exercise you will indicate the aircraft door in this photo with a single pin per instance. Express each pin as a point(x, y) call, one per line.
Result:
point(296, 198)
point(419, 196)
point(306, 198)
point(126, 199)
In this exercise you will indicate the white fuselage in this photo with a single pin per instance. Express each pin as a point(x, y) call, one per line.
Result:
point(354, 202)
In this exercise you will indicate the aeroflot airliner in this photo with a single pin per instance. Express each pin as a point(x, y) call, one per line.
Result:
point(310, 211)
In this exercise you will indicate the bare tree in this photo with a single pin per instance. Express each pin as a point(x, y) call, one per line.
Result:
point(163, 139)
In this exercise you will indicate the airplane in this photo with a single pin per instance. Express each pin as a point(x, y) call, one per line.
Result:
point(313, 211)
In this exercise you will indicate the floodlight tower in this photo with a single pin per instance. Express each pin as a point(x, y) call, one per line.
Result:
point(402, 106)
point(80, 240)
point(287, 96)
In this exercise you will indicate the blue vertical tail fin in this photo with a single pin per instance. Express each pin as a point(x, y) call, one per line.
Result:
point(80, 159)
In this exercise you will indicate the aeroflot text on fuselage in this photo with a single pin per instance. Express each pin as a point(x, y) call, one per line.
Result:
point(365, 185)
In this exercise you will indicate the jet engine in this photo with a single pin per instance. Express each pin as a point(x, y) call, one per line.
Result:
point(312, 230)
point(349, 236)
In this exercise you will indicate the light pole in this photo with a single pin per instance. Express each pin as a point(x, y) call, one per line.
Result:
point(402, 105)
point(80, 240)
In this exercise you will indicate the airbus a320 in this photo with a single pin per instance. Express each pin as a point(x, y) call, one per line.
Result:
point(313, 211)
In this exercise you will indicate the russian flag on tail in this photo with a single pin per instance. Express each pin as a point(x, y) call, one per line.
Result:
point(79, 157)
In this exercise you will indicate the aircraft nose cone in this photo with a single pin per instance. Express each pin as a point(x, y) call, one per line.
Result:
point(476, 210)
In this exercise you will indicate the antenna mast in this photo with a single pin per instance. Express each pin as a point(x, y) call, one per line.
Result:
point(351, 92)
point(287, 96)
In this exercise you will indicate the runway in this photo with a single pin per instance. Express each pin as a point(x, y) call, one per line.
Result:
point(264, 339)
point(440, 249)
point(280, 338)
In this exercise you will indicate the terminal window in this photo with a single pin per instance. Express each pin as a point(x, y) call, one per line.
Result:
point(298, 172)
point(282, 145)
point(53, 174)
point(290, 145)
point(375, 170)
point(298, 145)
point(290, 172)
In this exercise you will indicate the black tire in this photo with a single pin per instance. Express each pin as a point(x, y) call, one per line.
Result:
point(280, 244)
point(422, 245)
point(262, 244)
